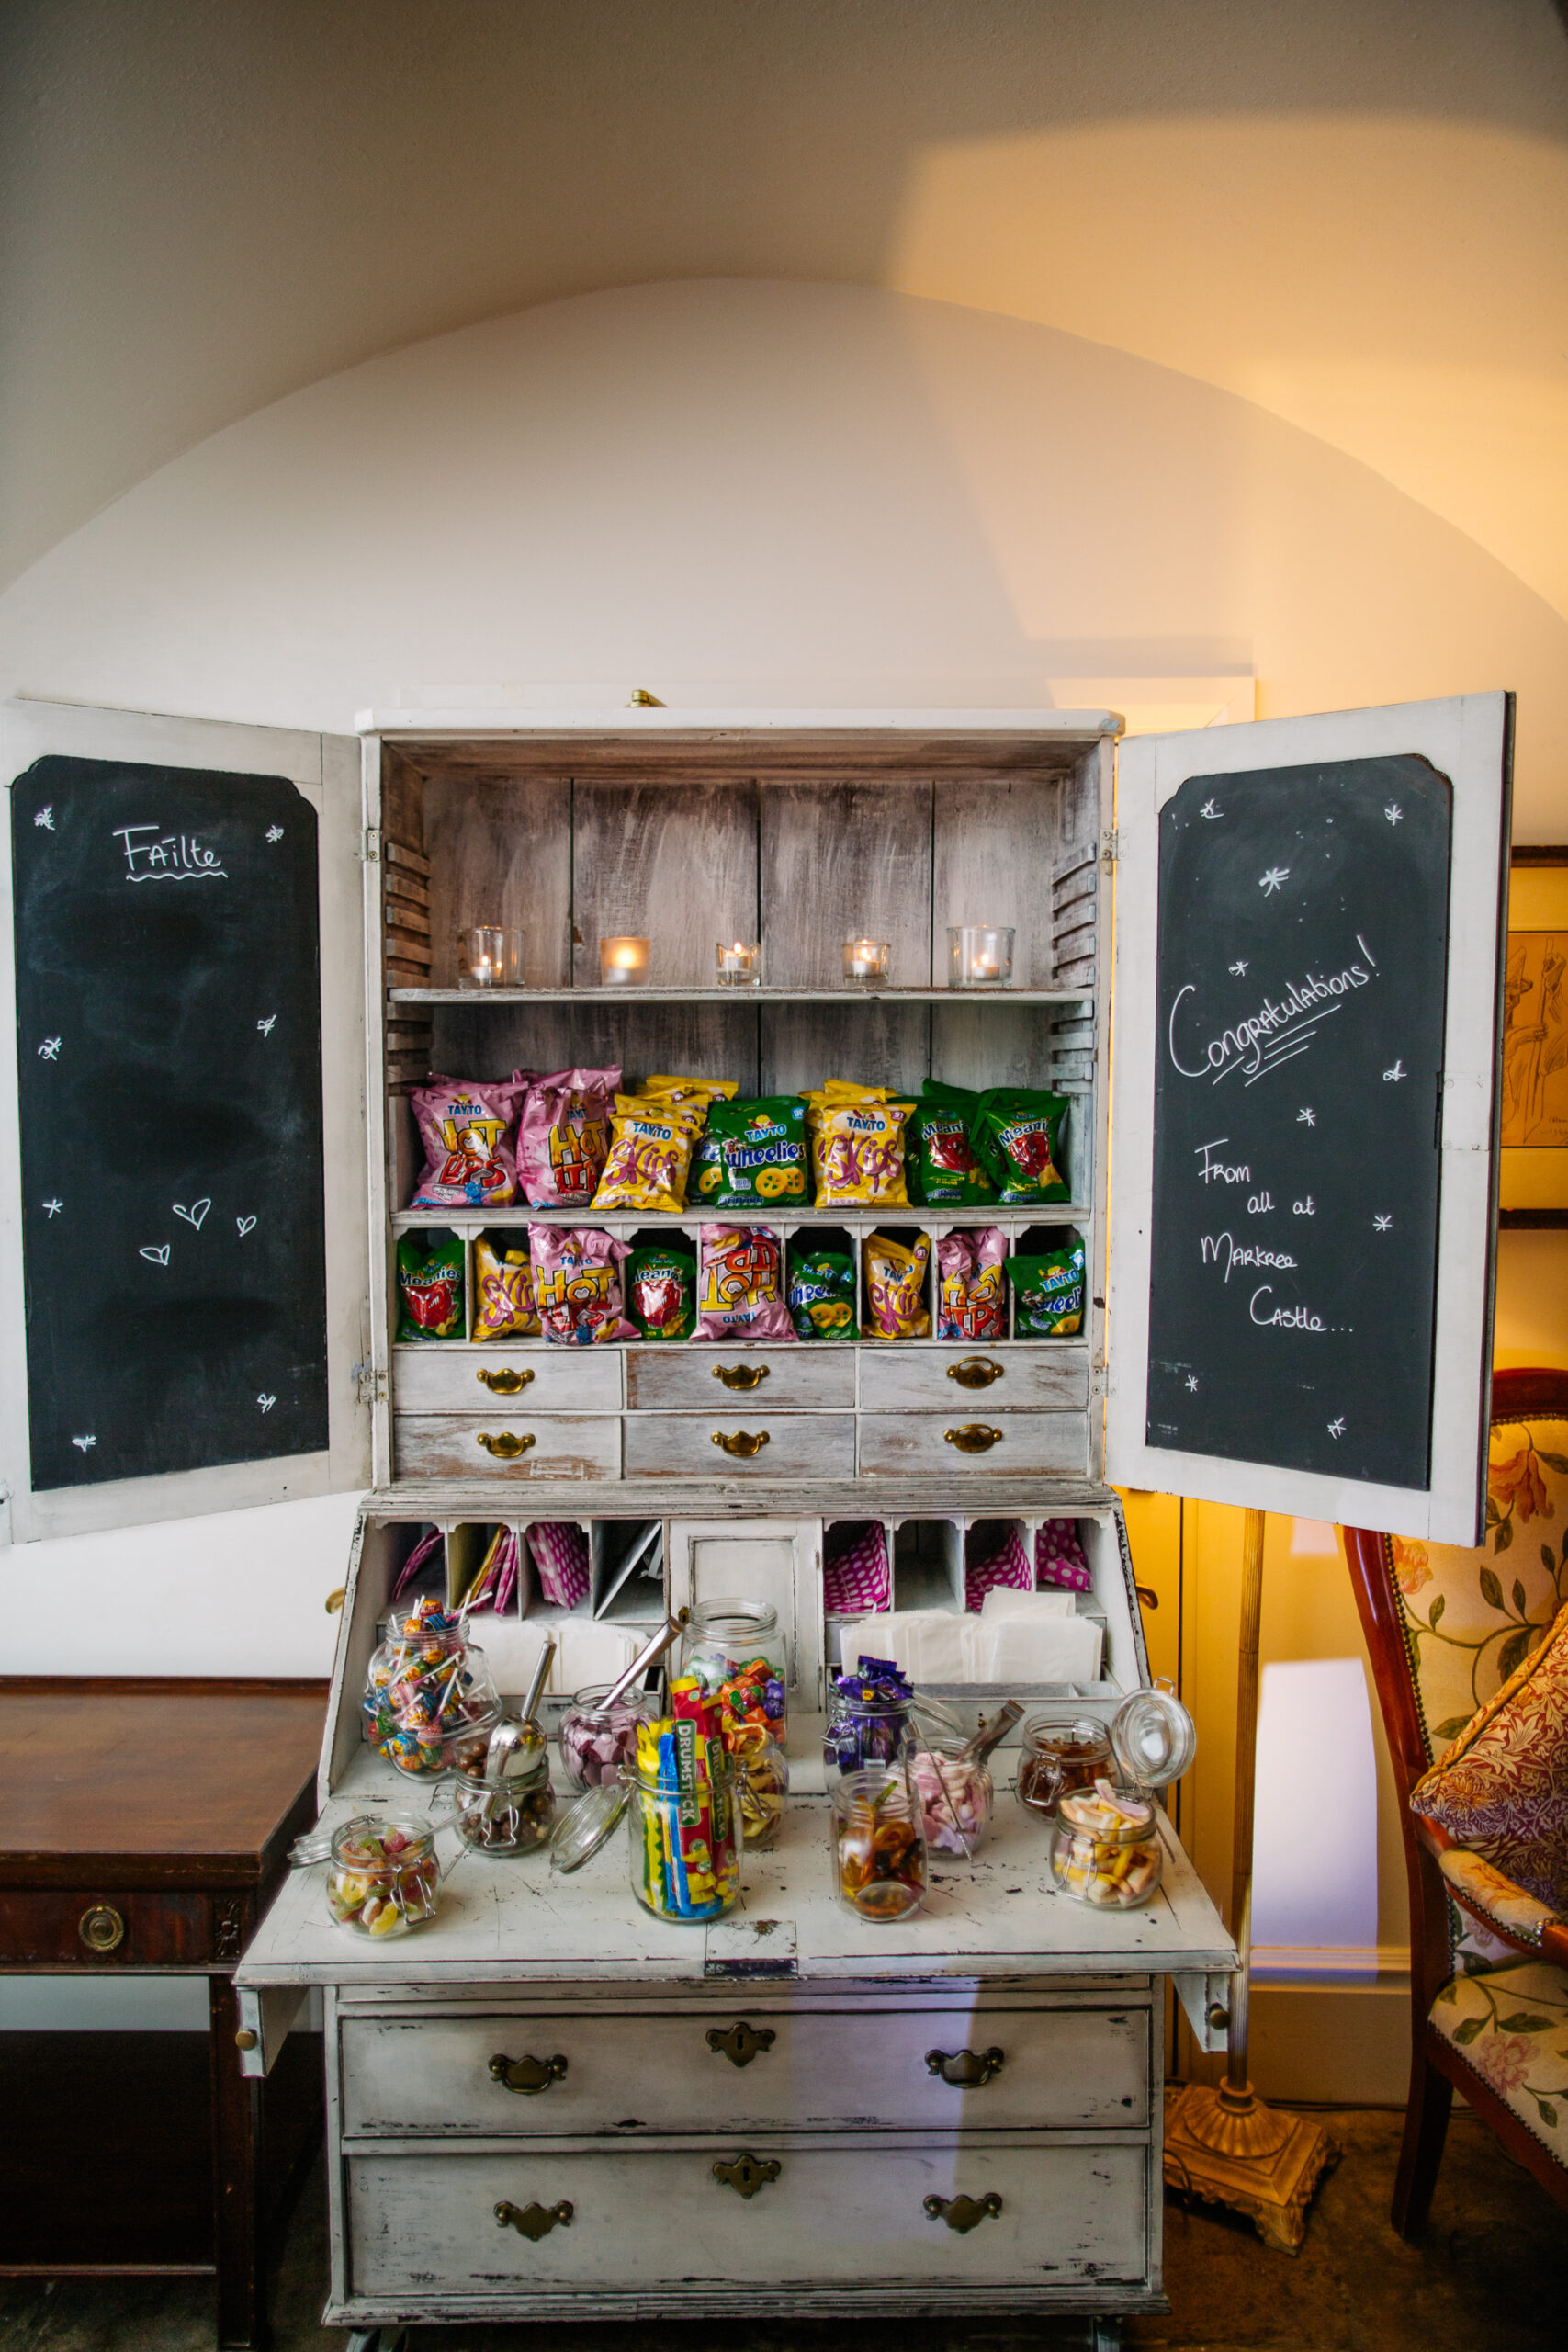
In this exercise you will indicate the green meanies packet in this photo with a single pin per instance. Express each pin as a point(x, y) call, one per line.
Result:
point(1048, 1293)
point(822, 1294)
point(1018, 1135)
point(430, 1288)
point(661, 1291)
point(940, 1151)
point(760, 1155)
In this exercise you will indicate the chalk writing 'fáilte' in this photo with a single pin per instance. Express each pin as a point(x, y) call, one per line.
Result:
point(167, 857)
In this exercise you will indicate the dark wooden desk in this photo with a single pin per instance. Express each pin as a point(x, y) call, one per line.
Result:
point(144, 1826)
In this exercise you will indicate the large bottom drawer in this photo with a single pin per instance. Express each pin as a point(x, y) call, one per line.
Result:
point(859, 2213)
point(507, 1444)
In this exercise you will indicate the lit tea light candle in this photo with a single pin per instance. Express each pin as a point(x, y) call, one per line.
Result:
point(979, 955)
point(740, 965)
point(868, 959)
point(623, 962)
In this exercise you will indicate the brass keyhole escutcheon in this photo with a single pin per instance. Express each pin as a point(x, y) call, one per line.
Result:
point(508, 1445)
point(747, 2174)
point(964, 2214)
point(972, 1438)
point(966, 2070)
point(742, 1445)
point(535, 2221)
point(527, 2074)
point(505, 1382)
point(974, 1372)
point(742, 1375)
point(741, 2043)
point(101, 1928)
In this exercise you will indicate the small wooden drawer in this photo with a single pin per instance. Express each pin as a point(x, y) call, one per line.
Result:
point(867, 2213)
point(747, 2068)
point(507, 1442)
point(82, 1927)
point(718, 1379)
point(978, 1441)
point(437, 1379)
point(734, 1441)
point(1049, 1376)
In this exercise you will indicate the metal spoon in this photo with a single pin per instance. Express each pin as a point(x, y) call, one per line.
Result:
point(668, 1634)
point(541, 1676)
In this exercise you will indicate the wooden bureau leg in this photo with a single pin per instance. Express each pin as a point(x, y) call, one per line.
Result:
point(236, 2203)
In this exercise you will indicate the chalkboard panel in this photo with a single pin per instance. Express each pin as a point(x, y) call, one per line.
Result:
point(1301, 975)
point(168, 1012)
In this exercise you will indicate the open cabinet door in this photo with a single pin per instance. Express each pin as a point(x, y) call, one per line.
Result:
point(184, 1244)
point(1310, 924)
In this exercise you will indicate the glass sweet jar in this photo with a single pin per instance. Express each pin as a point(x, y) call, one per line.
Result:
point(761, 1785)
point(438, 1692)
point(382, 1876)
point(878, 1844)
point(736, 1650)
point(957, 1796)
point(596, 1739)
point(869, 1720)
point(685, 1840)
point(1148, 1742)
point(1105, 1846)
point(1057, 1752)
point(511, 1814)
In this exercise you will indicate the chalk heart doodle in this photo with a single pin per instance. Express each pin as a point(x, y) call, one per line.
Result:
point(159, 1255)
point(244, 1225)
point(194, 1214)
point(267, 1403)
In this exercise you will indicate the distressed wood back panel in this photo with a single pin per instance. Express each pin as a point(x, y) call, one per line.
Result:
point(844, 860)
point(994, 844)
point(500, 850)
point(711, 1040)
point(991, 1044)
point(675, 864)
point(877, 1043)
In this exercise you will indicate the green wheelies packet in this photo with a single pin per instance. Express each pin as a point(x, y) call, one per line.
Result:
point(822, 1294)
point(661, 1291)
point(940, 1151)
point(430, 1288)
point(760, 1152)
point(1048, 1293)
point(1018, 1134)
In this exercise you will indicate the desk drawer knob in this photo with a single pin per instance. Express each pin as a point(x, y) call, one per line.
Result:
point(972, 1438)
point(741, 1445)
point(506, 1383)
point(742, 1375)
point(527, 2074)
point(974, 1372)
point(535, 2221)
point(747, 2174)
point(964, 2214)
point(101, 1928)
point(966, 2070)
point(507, 1446)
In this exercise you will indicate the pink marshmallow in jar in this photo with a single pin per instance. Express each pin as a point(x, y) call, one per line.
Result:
point(956, 1796)
point(596, 1740)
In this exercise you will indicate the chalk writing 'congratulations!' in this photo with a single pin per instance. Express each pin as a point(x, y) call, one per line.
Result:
point(171, 857)
point(1274, 1033)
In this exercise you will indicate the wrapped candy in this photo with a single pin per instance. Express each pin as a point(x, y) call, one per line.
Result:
point(753, 1694)
point(384, 1877)
point(868, 1721)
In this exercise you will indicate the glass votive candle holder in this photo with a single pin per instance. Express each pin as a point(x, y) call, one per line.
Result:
point(979, 955)
point(490, 956)
point(623, 962)
point(740, 965)
point(868, 962)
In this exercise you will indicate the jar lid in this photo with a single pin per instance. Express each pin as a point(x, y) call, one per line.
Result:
point(1154, 1736)
point(584, 1827)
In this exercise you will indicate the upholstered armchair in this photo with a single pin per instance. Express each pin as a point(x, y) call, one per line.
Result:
point(1447, 1627)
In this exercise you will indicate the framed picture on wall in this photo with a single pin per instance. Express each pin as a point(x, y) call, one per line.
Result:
point(1533, 1180)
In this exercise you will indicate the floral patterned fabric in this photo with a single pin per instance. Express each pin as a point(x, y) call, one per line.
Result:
point(1510, 2026)
point(1485, 1888)
point(1502, 1787)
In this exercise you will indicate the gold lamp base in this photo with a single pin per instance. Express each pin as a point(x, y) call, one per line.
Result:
point(1229, 2149)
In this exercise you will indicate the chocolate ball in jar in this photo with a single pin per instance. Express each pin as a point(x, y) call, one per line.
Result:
point(509, 1816)
point(1059, 1753)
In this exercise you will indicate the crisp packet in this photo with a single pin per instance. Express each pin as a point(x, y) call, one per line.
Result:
point(822, 1294)
point(857, 1147)
point(561, 1136)
point(503, 1293)
point(1018, 1134)
point(895, 1288)
point(971, 1298)
point(661, 1291)
point(741, 1284)
point(1048, 1293)
point(650, 1152)
point(466, 1129)
point(577, 1285)
point(430, 1286)
point(760, 1153)
point(942, 1166)
point(704, 1091)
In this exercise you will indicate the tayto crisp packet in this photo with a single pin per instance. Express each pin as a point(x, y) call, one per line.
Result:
point(740, 1288)
point(761, 1154)
point(466, 1129)
point(941, 1163)
point(503, 1293)
point(857, 1150)
point(561, 1136)
point(649, 1154)
point(971, 1296)
point(430, 1286)
point(895, 1288)
point(1048, 1293)
point(577, 1285)
point(701, 1091)
point(1018, 1134)
point(822, 1294)
point(661, 1292)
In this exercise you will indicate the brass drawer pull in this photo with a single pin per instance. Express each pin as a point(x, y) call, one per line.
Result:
point(747, 2174)
point(974, 1372)
point(742, 1375)
point(966, 2070)
point(505, 1382)
point(535, 2221)
point(742, 1443)
point(972, 1438)
point(741, 2043)
point(527, 2074)
point(507, 1446)
point(101, 1928)
point(964, 2214)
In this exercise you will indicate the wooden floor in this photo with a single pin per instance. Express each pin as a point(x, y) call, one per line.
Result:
point(1492, 2277)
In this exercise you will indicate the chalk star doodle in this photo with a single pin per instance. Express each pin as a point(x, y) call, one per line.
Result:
point(267, 1403)
point(1191, 1380)
point(1393, 812)
point(85, 1444)
point(1208, 810)
point(1391, 1077)
point(1336, 1429)
point(53, 1208)
point(265, 1027)
point(1240, 967)
point(274, 832)
point(1268, 882)
point(1305, 1118)
point(45, 818)
point(50, 1050)
point(1382, 1224)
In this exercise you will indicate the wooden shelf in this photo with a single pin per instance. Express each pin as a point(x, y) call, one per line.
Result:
point(857, 1220)
point(654, 995)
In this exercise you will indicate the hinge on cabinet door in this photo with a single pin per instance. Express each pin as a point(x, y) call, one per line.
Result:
point(372, 844)
point(1108, 848)
point(369, 1384)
